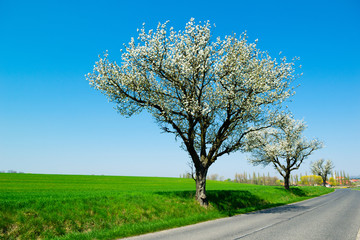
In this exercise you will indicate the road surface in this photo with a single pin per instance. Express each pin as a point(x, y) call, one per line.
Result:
point(332, 216)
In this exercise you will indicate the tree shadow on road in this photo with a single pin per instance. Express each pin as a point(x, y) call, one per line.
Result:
point(233, 202)
point(282, 209)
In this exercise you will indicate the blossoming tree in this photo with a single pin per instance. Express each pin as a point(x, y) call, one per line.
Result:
point(210, 94)
point(282, 146)
point(323, 170)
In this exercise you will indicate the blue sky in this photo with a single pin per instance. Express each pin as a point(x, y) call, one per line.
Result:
point(51, 121)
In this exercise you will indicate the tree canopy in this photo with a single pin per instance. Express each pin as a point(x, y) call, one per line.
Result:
point(282, 146)
point(208, 92)
point(322, 169)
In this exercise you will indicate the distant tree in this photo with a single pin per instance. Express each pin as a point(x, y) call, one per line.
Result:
point(332, 181)
point(318, 180)
point(238, 178)
point(213, 177)
point(338, 178)
point(296, 179)
point(322, 169)
point(304, 180)
point(344, 178)
point(253, 179)
point(311, 180)
point(264, 179)
point(192, 172)
point(185, 175)
point(245, 177)
point(210, 94)
point(283, 146)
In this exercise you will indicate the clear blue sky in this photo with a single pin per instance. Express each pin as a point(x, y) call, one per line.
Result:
point(51, 121)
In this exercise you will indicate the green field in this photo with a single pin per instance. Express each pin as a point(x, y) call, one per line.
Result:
point(36, 206)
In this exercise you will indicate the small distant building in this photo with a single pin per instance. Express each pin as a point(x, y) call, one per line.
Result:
point(355, 181)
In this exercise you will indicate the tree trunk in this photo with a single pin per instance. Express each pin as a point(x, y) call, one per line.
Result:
point(201, 186)
point(287, 181)
point(324, 181)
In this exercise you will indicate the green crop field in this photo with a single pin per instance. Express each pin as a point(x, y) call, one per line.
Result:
point(39, 206)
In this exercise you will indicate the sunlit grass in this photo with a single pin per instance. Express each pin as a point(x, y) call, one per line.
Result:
point(106, 207)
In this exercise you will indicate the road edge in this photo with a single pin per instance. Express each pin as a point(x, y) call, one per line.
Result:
point(224, 218)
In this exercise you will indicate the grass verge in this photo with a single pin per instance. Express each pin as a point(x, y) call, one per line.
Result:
point(106, 207)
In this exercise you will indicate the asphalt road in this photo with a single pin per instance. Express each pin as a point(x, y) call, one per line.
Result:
point(332, 216)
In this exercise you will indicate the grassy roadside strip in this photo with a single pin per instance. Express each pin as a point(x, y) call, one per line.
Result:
point(102, 207)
